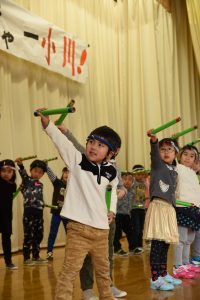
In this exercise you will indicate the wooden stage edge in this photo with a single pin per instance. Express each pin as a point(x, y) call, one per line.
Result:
point(131, 274)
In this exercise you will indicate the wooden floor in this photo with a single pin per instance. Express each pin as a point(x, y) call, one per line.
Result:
point(130, 274)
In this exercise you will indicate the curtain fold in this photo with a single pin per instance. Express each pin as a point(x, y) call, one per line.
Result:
point(193, 9)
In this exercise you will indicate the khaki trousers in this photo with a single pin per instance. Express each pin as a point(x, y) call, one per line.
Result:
point(81, 240)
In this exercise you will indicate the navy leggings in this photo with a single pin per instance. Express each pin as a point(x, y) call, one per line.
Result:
point(158, 259)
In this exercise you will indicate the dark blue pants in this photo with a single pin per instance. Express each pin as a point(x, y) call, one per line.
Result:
point(123, 223)
point(33, 235)
point(55, 223)
point(137, 221)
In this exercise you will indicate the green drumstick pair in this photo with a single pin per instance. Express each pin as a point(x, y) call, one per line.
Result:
point(56, 111)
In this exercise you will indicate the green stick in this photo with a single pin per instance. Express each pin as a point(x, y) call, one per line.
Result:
point(49, 159)
point(28, 157)
point(108, 196)
point(55, 111)
point(187, 204)
point(194, 142)
point(15, 194)
point(166, 125)
point(63, 116)
point(177, 135)
point(51, 206)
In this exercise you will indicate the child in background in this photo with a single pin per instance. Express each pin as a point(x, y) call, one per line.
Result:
point(188, 218)
point(57, 200)
point(32, 190)
point(123, 220)
point(160, 222)
point(138, 205)
point(7, 188)
point(85, 206)
point(195, 259)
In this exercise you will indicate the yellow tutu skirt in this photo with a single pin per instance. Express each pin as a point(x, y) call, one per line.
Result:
point(160, 222)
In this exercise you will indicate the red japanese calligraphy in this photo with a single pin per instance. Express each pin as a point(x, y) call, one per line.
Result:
point(82, 61)
point(69, 55)
point(49, 45)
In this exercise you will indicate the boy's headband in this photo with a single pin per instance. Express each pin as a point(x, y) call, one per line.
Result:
point(100, 139)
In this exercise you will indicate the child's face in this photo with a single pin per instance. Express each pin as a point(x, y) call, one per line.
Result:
point(65, 176)
point(196, 166)
point(96, 151)
point(167, 153)
point(6, 173)
point(188, 158)
point(140, 177)
point(127, 181)
point(37, 173)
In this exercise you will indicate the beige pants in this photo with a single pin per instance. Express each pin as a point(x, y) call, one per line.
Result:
point(81, 240)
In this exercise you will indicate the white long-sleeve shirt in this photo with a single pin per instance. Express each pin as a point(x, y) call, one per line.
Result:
point(86, 188)
point(188, 188)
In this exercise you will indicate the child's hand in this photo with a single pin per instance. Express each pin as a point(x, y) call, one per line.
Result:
point(44, 119)
point(62, 128)
point(111, 217)
point(152, 136)
point(19, 161)
point(120, 193)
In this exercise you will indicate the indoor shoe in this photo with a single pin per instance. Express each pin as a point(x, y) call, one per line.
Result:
point(89, 295)
point(161, 284)
point(117, 292)
point(193, 268)
point(169, 279)
point(49, 256)
point(39, 261)
point(121, 252)
point(29, 262)
point(11, 266)
point(183, 273)
point(195, 260)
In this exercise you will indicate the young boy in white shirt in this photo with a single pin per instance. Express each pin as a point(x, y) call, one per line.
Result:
point(85, 206)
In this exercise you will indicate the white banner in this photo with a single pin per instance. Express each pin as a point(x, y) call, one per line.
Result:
point(34, 39)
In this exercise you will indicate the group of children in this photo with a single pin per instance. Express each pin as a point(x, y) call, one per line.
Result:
point(32, 190)
point(90, 224)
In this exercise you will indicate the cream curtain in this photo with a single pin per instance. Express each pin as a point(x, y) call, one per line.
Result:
point(193, 9)
point(142, 73)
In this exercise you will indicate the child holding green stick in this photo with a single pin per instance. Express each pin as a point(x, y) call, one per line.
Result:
point(85, 206)
point(160, 222)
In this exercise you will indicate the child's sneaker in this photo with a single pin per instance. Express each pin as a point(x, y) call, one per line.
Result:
point(138, 251)
point(29, 262)
point(11, 266)
point(161, 284)
point(117, 292)
point(39, 261)
point(50, 255)
point(89, 295)
point(192, 268)
point(169, 279)
point(195, 260)
point(183, 273)
point(121, 252)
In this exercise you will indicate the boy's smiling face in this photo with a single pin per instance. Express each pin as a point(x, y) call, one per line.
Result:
point(96, 151)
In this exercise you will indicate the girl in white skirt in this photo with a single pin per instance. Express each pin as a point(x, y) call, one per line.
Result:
point(160, 222)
